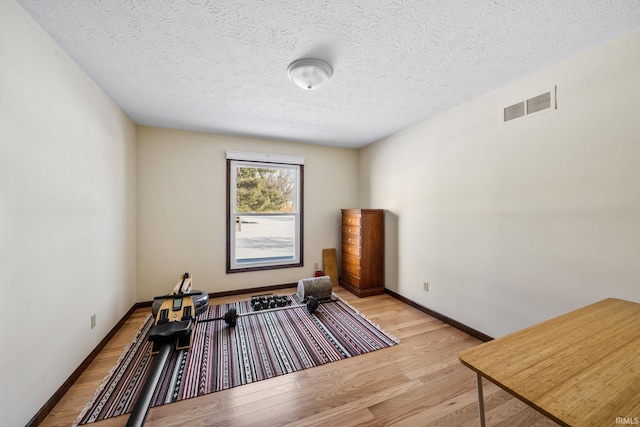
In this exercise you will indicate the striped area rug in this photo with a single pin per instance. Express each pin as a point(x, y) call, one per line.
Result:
point(261, 346)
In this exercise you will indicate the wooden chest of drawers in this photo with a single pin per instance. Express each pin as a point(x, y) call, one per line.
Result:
point(363, 251)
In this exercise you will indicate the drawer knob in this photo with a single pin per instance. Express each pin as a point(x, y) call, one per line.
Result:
point(349, 220)
point(349, 230)
point(349, 249)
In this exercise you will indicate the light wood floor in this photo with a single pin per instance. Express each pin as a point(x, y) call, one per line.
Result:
point(419, 382)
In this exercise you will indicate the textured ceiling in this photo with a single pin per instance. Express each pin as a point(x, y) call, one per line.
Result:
point(221, 66)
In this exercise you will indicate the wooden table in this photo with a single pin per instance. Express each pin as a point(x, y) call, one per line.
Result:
point(579, 369)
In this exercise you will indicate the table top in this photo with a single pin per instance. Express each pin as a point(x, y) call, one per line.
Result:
point(581, 368)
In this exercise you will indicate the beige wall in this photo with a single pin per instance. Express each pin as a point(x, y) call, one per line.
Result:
point(67, 215)
point(181, 211)
point(514, 223)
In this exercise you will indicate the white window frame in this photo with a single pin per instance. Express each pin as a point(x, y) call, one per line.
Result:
point(257, 160)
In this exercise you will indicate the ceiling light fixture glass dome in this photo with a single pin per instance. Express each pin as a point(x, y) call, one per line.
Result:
point(309, 74)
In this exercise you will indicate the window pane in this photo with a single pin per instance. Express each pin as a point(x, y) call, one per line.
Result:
point(265, 239)
point(265, 190)
point(264, 228)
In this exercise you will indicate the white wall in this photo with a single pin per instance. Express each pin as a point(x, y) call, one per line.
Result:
point(181, 210)
point(515, 223)
point(67, 215)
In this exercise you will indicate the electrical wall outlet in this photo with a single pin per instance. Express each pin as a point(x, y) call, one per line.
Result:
point(93, 321)
point(315, 266)
point(425, 286)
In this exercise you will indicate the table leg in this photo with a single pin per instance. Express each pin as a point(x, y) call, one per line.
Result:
point(480, 399)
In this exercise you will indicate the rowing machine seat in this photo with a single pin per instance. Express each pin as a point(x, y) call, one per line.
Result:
point(170, 330)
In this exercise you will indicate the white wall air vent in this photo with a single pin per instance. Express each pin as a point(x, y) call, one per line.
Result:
point(541, 103)
point(514, 111)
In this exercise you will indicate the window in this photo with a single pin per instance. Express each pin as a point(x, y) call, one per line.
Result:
point(264, 211)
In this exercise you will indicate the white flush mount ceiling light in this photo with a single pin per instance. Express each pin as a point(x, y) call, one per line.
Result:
point(309, 74)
